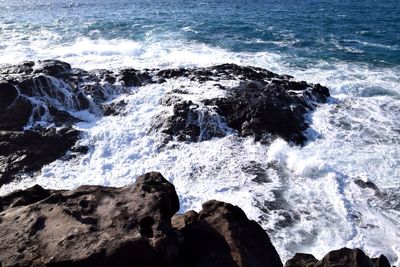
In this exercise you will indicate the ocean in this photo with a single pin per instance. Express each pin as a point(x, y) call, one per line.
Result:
point(352, 47)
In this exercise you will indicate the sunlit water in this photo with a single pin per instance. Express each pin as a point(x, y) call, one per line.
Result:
point(307, 201)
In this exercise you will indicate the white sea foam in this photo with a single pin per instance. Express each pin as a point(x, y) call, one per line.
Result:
point(307, 203)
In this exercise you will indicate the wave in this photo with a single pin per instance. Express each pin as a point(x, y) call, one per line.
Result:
point(342, 77)
point(358, 133)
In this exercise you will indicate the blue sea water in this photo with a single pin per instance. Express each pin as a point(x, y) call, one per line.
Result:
point(352, 47)
point(304, 31)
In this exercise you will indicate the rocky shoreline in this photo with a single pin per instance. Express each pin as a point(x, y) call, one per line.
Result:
point(137, 225)
point(41, 101)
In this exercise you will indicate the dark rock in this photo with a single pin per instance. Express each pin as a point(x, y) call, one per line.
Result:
point(132, 77)
point(189, 122)
point(342, 257)
point(91, 226)
point(381, 261)
point(370, 185)
point(54, 68)
point(134, 226)
point(301, 260)
point(367, 184)
point(8, 93)
point(16, 114)
point(172, 73)
point(346, 257)
point(114, 108)
point(221, 235)
point(264, 106)
point(58, 90)
point(256, 169)
point(27, 151)
point(258, 109)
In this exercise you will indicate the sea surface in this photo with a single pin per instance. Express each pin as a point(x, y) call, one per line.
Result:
point(310, 202)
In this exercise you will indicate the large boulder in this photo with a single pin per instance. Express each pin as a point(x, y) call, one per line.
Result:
point(27, 151)
point(221, 235)
point(264, 105)
point(127, 226)
point(91, 226)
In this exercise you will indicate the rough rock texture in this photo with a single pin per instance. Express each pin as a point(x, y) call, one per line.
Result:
point(43, 95)
point(135, 226)
point(127, 226)
point(276, 108)
point(343, 257)
point(91, 226)
point(50, 93)
point(28, 151)
point(221, 235)
point(264, 104)
point(49, 90)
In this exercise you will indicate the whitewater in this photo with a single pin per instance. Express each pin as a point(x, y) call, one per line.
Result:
point(317, 204)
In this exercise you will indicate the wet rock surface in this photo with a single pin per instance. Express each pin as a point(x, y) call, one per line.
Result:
point(127, 226)
point(342, 257)
point(264, 105)
point(135, 225)
point(221, 235)
point(38, 97)
point(27, 151)
point(39, 104)
point(91, 226)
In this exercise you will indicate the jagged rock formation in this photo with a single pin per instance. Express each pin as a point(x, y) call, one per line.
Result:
point(41, 101)
point(127, 226)
point(221, 235)
point(45, 97)
point(135, 225)
point(342, 257)
point(28, 151)
point(264, 105)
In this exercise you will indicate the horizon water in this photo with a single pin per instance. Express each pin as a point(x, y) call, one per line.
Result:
point(310, 203)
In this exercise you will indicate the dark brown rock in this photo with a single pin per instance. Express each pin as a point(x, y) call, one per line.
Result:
point(301, 260)
point(28, 151)
point(346, 257)
point(133, 226)
point(265, 105)
point(343, 257)
point(132, 77)
point(261, 109)
point(221, 235)
point(91, 226)
point(381, 261)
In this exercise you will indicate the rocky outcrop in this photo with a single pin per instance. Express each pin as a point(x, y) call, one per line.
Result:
point(127, 226)
point(221, 235)
point(38, 106)
point(27, 151)
point(342, 257)
point(51, 91)
point(135, 225)
point(91, 226)
point(263, 105)
point(38, 97)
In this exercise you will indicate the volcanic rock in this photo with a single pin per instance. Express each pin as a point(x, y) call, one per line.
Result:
point(91, 226)
point(221, 235)
point(264, 105)
point(134, 226)
point(27, 151)
point(342, 257)
point(127, 226)
point(36, 97)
